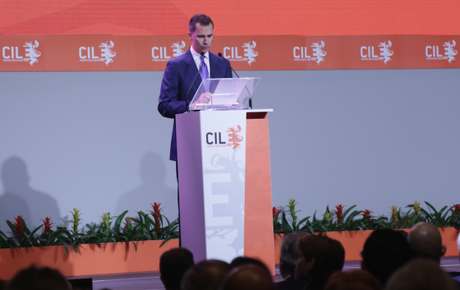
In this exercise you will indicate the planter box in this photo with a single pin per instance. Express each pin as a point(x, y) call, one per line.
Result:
point(116, 258)
point(353, 242)
point(110, 258)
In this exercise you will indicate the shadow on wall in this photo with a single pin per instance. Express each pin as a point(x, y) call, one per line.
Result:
point(19, 198)
point(152, 189)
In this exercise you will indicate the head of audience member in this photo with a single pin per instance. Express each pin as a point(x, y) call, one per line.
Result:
point(201, 32)
point(289, 252)
point(34, 278)
point(458, 246)
point(248, 277)
point(240, 261)
point(426, 242)
point(206, 275)
point(385, 251)
point(319, 257)
point(173, 265)
point(420, 274)
point(353, 279)
point(2, 285)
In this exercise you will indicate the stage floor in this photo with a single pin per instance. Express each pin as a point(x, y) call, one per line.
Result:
point(151, 280)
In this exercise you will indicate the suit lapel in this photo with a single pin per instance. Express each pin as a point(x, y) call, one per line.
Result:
point(191, 71)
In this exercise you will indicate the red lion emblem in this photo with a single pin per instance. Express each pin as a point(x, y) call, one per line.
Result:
point(234, 138)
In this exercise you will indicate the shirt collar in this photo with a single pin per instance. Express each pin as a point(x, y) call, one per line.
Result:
point(197, 55)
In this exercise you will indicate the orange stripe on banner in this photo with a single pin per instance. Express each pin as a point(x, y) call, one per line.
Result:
point(258, 220)
point(151, 53)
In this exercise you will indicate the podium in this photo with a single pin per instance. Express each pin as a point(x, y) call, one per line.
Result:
point(225, 197)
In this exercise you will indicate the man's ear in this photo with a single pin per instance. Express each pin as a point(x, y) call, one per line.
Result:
point(443, 250)
point(189, 35)
point(311, 263)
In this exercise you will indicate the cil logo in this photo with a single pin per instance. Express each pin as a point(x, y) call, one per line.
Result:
point(432, 52)
point(164, 53)
point(27, 53)
point(215, 139)
point(106, 55)
point(317, 53)
point(248, 53)
point(368, 52)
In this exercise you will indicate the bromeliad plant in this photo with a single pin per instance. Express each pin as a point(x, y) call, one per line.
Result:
point(109, 230)
point(285, 220)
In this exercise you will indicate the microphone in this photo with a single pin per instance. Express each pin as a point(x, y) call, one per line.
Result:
point(194, 79)
point(228, 63)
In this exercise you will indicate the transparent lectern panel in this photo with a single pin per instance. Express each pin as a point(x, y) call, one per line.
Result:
point(226, 94)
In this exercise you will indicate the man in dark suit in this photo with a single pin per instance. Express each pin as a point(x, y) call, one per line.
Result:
point(180, 72)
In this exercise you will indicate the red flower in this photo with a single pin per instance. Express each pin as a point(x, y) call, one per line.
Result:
point(457, 208)
point(47, 222)
point(128, 220)
point(276, 212)
point(339, 212)
point(156, 213)
point(367, 214)
point(18, 225)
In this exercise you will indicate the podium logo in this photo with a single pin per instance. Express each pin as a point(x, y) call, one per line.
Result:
point(234, 139)
point(164, 53)
point(248, 52)
point(432, 52)
point(317, 53)
point(368, 52)
point(28, 53)
point(87, 54)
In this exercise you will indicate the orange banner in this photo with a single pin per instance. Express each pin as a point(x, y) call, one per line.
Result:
point(151, 53)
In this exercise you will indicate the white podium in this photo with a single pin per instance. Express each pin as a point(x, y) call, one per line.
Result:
point(225, 185)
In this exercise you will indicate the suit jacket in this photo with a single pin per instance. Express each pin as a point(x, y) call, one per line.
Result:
point(289, 284)
point(177, 80)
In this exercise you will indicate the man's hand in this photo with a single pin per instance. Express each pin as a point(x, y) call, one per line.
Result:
point(204, 98)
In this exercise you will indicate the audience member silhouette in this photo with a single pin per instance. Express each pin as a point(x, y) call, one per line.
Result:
point(426, 242)
point(384, 252)
point(173, 265)
point(34, 278)
point(289, 254)
point(240, 261)
point(457, 278)
point(355, 279)
point(320, 256)
point(248, 277)
point(420, 274)
point(206, 275)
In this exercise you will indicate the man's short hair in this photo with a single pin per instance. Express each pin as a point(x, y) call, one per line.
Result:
point(289, 252)
point(206, 275)
point(39, 278)
point(203, 19)
point(328, 253)
point(420, 274)
point(385, 251)
point(173, 265)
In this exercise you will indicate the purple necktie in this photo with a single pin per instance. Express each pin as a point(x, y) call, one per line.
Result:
point(204, 73)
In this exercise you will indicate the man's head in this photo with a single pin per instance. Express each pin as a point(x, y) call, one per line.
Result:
point(39, 278)
point(384, 252)
point(173, 265)
point(426, 242)
point(319, 257)
point(248, 277)
point(290, 252)
point(353, 279)
point(206, 275)
point(201, 32)
point(420, 274)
